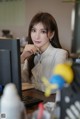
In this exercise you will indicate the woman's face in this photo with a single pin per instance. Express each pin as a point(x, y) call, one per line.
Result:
point(40, 37)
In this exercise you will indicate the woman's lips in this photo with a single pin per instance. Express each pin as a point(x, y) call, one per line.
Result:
point(37, 41)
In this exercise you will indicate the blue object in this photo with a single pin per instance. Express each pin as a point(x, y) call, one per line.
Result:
point(57, 79)
point(1, 88)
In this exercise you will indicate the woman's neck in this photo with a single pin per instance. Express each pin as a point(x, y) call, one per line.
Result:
point(44, 47)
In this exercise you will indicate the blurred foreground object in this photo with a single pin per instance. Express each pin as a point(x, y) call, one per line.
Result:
point(41, 113)
point(62, 74)
point(10, 105)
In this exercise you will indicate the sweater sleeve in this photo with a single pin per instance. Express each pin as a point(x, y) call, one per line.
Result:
point(24, 72)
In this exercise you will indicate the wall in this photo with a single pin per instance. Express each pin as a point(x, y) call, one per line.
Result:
point(60, 10)
point(12, 16)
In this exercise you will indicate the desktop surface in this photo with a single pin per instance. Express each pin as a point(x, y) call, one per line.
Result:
point(37, 94)
point(29, 100)
point(26, 86)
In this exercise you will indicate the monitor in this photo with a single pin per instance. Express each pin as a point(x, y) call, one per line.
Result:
point(10, 70)
point(70, 96)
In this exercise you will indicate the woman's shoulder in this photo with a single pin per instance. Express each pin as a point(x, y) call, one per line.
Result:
point(62, 53)
point(62, 50)
point(61, 56)
point(59, 50)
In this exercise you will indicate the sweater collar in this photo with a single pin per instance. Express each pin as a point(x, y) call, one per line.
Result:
point(47, 51)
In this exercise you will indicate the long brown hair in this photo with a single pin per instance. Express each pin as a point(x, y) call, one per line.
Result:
point(50, 25)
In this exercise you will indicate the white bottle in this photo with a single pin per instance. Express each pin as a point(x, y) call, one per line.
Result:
point(11, 106)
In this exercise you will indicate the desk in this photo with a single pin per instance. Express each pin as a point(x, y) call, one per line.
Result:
point(38, 94)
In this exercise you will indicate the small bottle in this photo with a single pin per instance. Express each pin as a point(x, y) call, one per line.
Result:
point(11, 106)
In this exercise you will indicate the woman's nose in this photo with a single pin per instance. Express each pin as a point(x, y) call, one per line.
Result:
point(37, 35)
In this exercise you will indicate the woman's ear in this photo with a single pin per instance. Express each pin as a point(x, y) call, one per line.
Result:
point(52, 35)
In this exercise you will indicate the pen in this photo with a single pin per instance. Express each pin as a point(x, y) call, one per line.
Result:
point(40, 112)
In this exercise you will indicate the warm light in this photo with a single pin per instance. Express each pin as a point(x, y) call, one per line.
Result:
point(72, 19)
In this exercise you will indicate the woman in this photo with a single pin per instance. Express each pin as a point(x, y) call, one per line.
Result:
point(43, 50)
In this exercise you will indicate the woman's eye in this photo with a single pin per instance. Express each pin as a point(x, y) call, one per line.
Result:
point(33, 30)
point(44, 31)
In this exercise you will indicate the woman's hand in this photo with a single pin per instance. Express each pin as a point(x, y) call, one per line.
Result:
point(27, 52)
